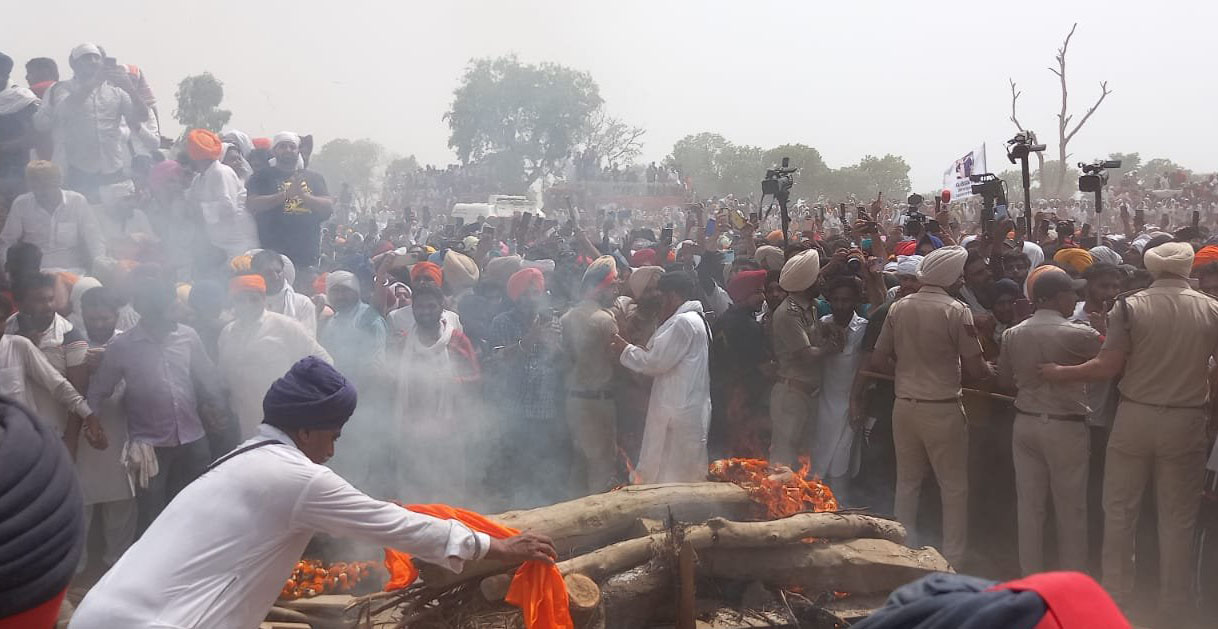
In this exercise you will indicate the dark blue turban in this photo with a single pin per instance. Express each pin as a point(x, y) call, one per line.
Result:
point(312, 394)
point(41, 512)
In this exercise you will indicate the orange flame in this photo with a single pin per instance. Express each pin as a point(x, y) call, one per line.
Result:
point(632, 476)
point(781, 491)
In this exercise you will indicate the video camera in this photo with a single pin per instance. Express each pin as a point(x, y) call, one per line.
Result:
point(993, 193)
point(777, 185)
point(1095, 174)
point(1022, 145)
point(914, 218)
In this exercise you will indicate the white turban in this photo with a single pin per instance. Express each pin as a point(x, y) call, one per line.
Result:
point(1105, 255)
point(800, 272)
point(642, 277)
point(82, 50)
point(890, 266)
point(1035, 254)
point(943, 267)
point(769, 257)
point(1170, 258)
point(342, 278)
point(111, 194)
point(285, 136)
point(908, 265)
point(240, 140)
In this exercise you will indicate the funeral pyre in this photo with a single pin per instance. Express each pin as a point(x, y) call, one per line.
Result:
point(758, 547)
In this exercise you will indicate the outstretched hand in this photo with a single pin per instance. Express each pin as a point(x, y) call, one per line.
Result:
point(523, 547)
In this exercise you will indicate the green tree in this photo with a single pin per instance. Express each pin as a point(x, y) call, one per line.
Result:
point(536, 113)
point(1051, 174)
point(716, 166)
point(199, 99)
point(888, 175)
point(398, 176)
point(1158, 167)
point(352, 162)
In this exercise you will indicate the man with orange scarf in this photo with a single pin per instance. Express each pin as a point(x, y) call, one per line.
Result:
point(251, 516)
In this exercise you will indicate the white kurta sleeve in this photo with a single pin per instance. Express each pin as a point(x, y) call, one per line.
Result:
point(39, 369)
point(331, 505)
point(668, 347)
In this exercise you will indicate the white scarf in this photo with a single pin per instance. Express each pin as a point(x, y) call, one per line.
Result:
point(14, 98)
point(425, 377)
point(289, 302)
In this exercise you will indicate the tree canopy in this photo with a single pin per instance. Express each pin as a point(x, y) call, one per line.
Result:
point(533, 115)
point(352, 162)
point(199, 98)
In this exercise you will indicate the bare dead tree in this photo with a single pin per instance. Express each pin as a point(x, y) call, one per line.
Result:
point(1063, 119)
point(613, 141)
point(1040, 156)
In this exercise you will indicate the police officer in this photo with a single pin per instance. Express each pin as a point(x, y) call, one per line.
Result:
point(799, 345)
point(1050, 441)
point(928, 422)
point(1163, 337)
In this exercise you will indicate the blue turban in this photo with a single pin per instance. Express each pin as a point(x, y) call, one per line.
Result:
point(312, 394)
point(42, 523)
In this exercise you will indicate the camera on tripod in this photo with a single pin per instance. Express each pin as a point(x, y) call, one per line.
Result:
point(1095, 174)
point(1022, 145)
point(778, 181)
point(993, 193)
point(914, 218)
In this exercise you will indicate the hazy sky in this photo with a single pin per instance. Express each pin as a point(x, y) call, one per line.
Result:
point(925, 80)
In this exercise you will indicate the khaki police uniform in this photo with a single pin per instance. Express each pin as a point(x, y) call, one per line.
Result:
point(1050, 442)
point(1169, 332)
point(928, 423)
point(794, 396)
point(591, 410)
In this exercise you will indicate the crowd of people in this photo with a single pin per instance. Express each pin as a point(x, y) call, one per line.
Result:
point(1025, 367)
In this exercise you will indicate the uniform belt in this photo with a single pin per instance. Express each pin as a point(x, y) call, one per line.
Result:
point(942, 401)
point(1057, 416)
point(591, 395)
point(1125, 398)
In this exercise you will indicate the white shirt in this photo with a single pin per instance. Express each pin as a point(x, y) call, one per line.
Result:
point(219, 196)
point(253, 354)
point(116, 229)
point(401, 321)
point(678, 413)
point(91, 133)
point(69, 237)
point(23, 369)
point(296, 306)
point(219, 554)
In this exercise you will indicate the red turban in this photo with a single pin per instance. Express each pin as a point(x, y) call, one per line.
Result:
point(906, 248)
point(1206, 255)
point(524, 279)
point(262, 143)
point(427, 269)
point(643, 257)
point(247, 284)
point(202, 144)
point(744, 284)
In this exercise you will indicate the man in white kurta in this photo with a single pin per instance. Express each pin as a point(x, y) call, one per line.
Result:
point(256, 347)
point(219, 554)
point(679, 411)
point(276, 269)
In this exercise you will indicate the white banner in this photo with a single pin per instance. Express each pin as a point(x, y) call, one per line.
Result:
point(955, 178)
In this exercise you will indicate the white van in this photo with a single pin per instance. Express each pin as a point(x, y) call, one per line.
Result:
point(499, 205)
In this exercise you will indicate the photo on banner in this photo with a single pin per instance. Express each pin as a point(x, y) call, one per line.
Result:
point(955, 178)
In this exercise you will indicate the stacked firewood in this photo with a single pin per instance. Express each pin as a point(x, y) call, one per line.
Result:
point(696, 554)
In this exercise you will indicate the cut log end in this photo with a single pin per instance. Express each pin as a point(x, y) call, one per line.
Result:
point(582, 593)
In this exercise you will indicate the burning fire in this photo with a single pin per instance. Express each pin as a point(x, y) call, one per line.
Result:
point(780, 490)
point(632, 476)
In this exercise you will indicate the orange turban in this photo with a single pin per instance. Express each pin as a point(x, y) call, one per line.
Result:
point(1206, 255)
point(262, 143)
point(428, 269)
point(247, 284)
point(524, 279)
point(1075, 257)
point(1037, 272)
point(202, 144)
point(774, 237)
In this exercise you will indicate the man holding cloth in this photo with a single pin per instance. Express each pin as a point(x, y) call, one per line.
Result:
point(678, 414)
point(928, 422)
point(218, 196)
point(252, 514)
point(1164, 339)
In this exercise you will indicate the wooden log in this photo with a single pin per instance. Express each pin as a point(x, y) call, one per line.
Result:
point(632, 598)
point(583, 597)
point(577, 526)
point(859, 566)
point(687, 593)
point(718, 533)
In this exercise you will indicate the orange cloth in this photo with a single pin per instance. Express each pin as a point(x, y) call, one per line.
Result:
point(430, 269)
point(247, 283)
point(202, 144)
point(521, 281)
point(1206, 255)
point(537, 587)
